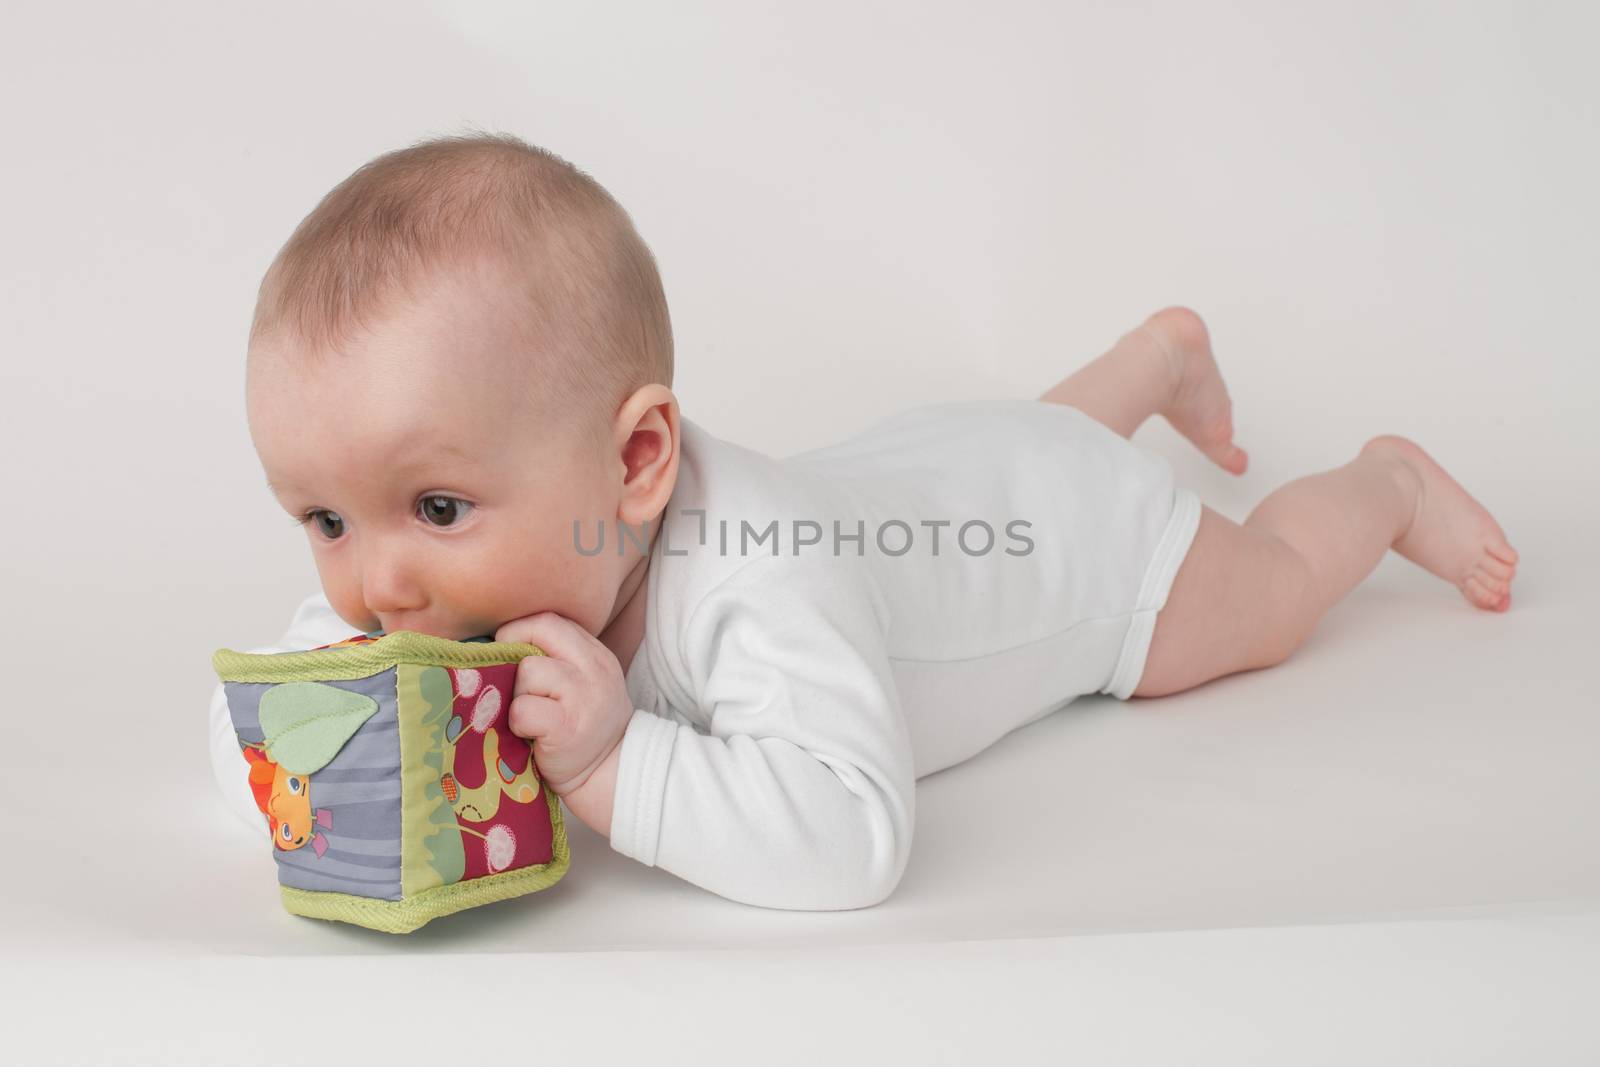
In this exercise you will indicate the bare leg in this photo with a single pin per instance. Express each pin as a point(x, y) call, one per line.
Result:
point(1131, 381)
point(1247, 596)
point(1163, 366)
point(1340, 522)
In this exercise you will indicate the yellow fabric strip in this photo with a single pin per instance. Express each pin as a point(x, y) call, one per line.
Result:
point(363, 661)
point(431, 850)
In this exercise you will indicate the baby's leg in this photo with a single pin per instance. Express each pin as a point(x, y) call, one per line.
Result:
point(1247, 596)
point(1163, 366)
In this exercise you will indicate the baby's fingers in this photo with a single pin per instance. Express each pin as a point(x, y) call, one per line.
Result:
point(532, 717)
point(546, 677)
point(555, 635)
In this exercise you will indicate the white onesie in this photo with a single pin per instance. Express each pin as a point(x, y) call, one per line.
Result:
point(822, 630)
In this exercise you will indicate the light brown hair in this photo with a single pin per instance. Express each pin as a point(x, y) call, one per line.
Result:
point(594, 295)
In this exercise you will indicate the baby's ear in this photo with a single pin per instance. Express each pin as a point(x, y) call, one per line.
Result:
point(649, 453)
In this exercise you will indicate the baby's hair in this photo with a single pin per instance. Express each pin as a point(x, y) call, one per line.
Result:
point(594, 295)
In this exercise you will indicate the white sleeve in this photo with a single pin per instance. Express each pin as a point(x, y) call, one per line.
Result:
point(801, 795)
point(314, 623)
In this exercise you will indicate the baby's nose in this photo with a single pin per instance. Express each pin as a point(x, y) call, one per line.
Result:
point(387, 589)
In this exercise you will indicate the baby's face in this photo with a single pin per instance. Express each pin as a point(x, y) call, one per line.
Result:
point(436, 494)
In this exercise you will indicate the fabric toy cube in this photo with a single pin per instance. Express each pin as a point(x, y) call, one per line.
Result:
point(390, 779)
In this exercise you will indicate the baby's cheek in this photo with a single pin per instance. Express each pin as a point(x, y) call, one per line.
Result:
point(475, 598)
point(345, 599)
point(511, 591)
point(356, 618)
point(535, 569)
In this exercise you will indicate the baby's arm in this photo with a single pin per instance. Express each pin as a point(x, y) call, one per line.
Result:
point(801, 792)
point(314, 623)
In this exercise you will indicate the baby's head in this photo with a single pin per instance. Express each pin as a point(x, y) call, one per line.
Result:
point(461, 352)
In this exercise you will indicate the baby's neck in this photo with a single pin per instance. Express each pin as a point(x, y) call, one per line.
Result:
point(624, 633)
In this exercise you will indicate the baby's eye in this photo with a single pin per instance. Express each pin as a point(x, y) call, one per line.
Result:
point(443, 510)
point(329, 522)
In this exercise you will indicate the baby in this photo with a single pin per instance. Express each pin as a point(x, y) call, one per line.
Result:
point(459, 381)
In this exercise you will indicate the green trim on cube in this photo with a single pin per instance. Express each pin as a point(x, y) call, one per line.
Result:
point(363, 661)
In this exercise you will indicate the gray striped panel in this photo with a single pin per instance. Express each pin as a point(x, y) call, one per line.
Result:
point(359, 788)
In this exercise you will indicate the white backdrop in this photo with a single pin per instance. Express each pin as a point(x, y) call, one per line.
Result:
point(1384, 212)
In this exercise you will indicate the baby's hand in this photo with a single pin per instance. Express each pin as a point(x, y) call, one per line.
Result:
point(572, 702)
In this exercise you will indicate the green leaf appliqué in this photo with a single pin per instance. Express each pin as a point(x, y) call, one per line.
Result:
point(307, 723)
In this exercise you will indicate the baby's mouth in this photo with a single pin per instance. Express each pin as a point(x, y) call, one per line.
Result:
point(447, 633)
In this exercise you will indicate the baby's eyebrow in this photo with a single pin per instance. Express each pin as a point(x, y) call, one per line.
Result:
point(410, 459)
point(413, 459)
point(287, 492)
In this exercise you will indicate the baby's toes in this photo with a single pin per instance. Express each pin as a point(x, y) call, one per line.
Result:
point(1495, 583)
point(1481, 593)
point(1496, 569)
point(1502, 550)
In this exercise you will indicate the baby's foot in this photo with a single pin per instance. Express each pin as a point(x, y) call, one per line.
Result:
point(1200, 409)
point(1451, 534)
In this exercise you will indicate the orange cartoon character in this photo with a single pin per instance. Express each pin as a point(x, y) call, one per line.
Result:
point(304, 724)
point(285, 799)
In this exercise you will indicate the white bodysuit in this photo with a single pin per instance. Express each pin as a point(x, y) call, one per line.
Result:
point(940, 579)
